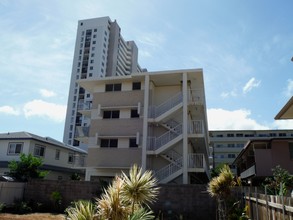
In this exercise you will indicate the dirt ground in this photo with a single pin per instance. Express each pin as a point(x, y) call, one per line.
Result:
point(36, 216)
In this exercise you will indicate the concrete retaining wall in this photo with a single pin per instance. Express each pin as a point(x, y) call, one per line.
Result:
point(174, 201)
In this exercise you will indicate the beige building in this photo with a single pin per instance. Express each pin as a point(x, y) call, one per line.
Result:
point(227, 144)
point(59, 159)
point(154, 119)
point(100, 51)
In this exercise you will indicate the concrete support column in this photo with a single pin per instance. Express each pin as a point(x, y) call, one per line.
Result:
point(184, 128)
point(145, 122)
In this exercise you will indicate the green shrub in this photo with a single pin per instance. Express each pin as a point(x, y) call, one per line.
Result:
point(2, 206)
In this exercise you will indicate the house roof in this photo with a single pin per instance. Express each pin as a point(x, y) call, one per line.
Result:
point(23, 135)
point(287, 111)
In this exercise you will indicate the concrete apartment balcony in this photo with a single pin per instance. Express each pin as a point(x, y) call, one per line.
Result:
point(195, 97)
point(82, 133)
point(196, 127)
point(84, 108)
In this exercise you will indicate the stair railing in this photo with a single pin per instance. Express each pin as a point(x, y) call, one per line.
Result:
point(155, 143)
point(168, 170)
point(156, 111)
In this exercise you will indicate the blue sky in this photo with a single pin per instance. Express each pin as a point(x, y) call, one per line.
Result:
point(244, 48)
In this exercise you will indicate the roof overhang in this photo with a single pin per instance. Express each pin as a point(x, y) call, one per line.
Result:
point(287, 111)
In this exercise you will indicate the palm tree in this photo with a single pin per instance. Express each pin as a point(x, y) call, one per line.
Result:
point(139, 188)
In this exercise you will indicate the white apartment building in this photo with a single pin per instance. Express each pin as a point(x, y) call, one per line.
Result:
point(154, 119)
point(100, 51)
point(227, 144)
point(59, 159)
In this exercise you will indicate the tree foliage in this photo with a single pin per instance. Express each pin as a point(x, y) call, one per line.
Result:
point(27, 168)
point(220, 187)
point(278, 183)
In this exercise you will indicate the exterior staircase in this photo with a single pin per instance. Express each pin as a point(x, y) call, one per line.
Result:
point(166, 108)
point(162, 145)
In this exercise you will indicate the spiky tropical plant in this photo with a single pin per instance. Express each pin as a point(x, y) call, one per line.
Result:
point(220, 187)
point(112, 205)
point(139, 188)
point(141, 214)
point(81, 210)
point(125, 198)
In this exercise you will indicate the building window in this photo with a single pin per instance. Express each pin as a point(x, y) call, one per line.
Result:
point(111, 114)
point(231, 145)
point(94, 42)
point(230, 135)
point(15, 148)
point(239, 135)
point(94, 36)
point(113, 87)
point(39, 151)
point(91, 68)
point(136, 86)
point(132, 142)
point(92, 61)
point(291, 150)
point(70, 158)
point(95, 30)
point(57, 154)
point(109, 143)
point(282, 135)
point(231, 155)
point(134, 113)
point(81, 24)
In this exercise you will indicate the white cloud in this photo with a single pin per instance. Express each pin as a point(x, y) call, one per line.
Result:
point(283, 124)
point(221, 119)
point(9, 110)
point(47, 93)
point(289, 89)
point(40, 108)
point(228, 94)
point(252, 83)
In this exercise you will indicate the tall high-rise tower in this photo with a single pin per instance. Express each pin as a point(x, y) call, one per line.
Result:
point(100, 51)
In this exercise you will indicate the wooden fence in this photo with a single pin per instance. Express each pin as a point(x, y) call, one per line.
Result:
point(11, 191)
point(262, 206)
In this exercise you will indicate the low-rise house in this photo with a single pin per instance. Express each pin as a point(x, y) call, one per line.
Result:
point(256, 160)
point(59, 159)
point(227, 144)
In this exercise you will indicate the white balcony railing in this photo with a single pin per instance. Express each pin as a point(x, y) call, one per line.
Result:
point(84, 106)
point(196, 161)
point(82, 131)
point(196, 127)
